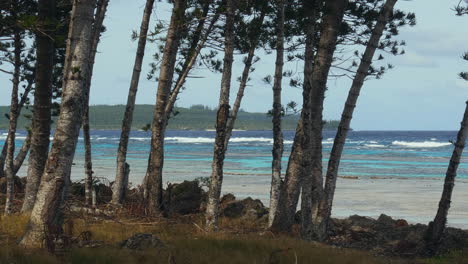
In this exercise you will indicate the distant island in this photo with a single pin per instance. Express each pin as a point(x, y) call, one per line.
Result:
point(196, 117)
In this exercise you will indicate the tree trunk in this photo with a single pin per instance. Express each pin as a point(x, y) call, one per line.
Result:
point(436, 228)
point(277, 151)
point(214, 193)
point(22, 101)
point(291, 188)
point(118, 189)
point(121, 179)
point(101, 10)
point(195, 51)
point(45, 222)
point(344, 126)
point(10, 174)
point(22, 153)
point(88, 160)
point(312, 150)
point(156, 159)
point(333, 17)
point(255, 37)
point(41, 120)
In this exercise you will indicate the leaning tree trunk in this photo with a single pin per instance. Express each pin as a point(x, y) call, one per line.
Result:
point(45, 223)
point(101, 10)
point(118, 191)
point(21, 103)
point(254, 39)
point(197, 45)
point(326, 203)
point(10, 174)
point(22, 153)
point(291, 188)
point(153, 184)
point(214, 193)
point(278, 147)
point(334, 11)
point(41, 119)
point(436, 228)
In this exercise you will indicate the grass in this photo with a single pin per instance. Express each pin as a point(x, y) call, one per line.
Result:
point(238, 242)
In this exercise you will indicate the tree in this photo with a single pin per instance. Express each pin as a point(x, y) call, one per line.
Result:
point(325, 206)
point(436, 228)
point(45, 223)
point(277, 151)
point(101, 10)
point(214, 193)
point(153, 184)
point(41, 119)
point(118, 192)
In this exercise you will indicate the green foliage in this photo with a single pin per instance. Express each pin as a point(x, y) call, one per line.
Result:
point(197, 117)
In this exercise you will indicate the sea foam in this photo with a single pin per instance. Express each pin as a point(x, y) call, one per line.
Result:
point(421, 144)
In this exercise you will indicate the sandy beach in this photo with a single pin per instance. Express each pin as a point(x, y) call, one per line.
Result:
point(414, 200)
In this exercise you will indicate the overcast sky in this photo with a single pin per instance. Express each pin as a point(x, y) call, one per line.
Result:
point(422, 92)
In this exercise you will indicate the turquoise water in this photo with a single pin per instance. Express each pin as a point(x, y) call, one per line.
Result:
point(408, 154)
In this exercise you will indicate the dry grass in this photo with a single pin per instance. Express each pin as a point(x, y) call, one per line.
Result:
point(238, 242)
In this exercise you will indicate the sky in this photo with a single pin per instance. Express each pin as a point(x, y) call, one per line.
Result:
point(422, 92)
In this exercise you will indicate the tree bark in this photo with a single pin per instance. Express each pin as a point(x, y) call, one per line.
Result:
point(88, 160)
point(333, 17)
point(214, 193)
point(21, 103)
point(254, 39)
point(101, 10)
point(22, 153)
point(118, 189)
point(41, 120)
point(436, 228)
point(278, 147)
point(295, 172)
point(326, 203)
point(10, 174)
point(45, 222)
point(153, 200)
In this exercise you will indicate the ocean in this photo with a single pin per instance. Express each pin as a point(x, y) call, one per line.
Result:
point(396, 172)
point(382, 154)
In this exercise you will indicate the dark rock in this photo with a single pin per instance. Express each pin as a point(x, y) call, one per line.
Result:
point(362, 221)
point(248, 208)
point(386, 220)
point(401, 223)
point(227, 198)
point(183, 198)
point(142, 241)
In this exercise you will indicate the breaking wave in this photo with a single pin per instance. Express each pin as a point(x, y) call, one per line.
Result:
point(421, 144)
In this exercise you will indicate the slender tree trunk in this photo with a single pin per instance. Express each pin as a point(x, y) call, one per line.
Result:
point(333, 17)
point(46, 218)
point(195, 51)
point(296, 171)
point(41, 120)
point(22, 153)
point(214, 193)
point(156, 158)
point(278, 147)
point(88, 160)
point(101, 10)
point(324, 213)
point(118, 192)
point(312, 137)
point(21, 103)
point(10, 174)
point(436, 228)
point(254, 39)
